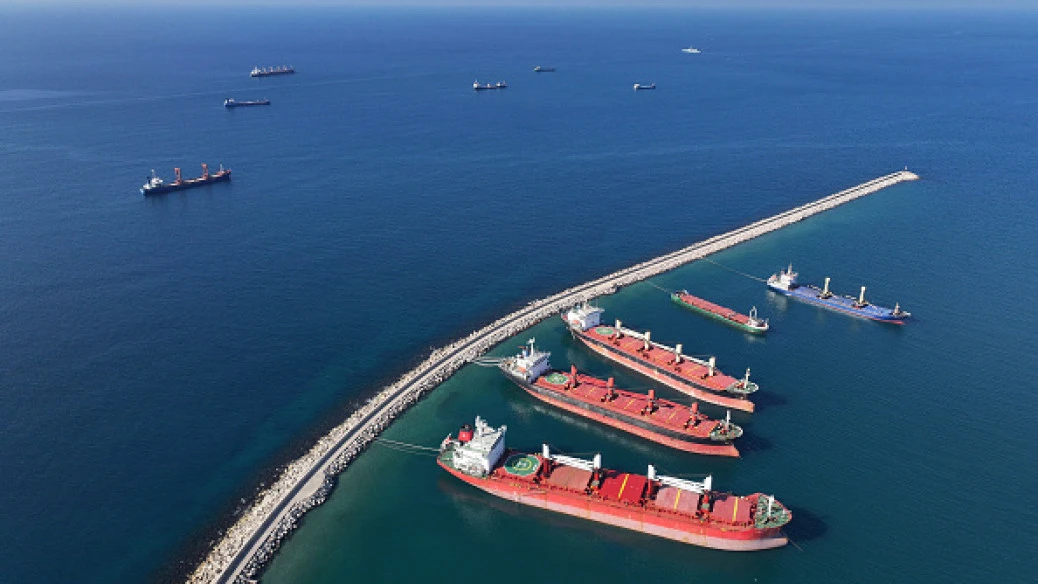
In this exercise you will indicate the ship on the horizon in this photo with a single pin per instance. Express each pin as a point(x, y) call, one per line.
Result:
point(691, 50)
point(658, 420)
point(668, 365)
point(640, 87)
point(477, 86)
point(674, 508)
point(785, 282)
point(157, 186)
point(750, 323)
point(269, 71)
point(230, 102)
point(539, 69)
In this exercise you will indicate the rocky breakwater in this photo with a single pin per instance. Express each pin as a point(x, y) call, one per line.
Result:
point(251, 541)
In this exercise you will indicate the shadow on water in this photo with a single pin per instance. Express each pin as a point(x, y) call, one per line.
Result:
point(762, 400)
point(805, 526)
point(750, 442)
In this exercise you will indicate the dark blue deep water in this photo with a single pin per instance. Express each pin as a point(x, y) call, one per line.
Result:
point(159, 357)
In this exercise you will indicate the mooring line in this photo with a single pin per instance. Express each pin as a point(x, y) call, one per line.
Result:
point(407, 448)
point(659, 287)
point(750, 276)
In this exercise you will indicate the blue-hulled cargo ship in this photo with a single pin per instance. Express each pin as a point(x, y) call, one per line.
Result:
point(785, 282)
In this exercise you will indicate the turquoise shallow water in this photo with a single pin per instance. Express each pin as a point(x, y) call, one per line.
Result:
point(160, 356)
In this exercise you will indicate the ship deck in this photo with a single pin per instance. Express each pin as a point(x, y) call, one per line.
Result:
point(714, 308)
point(843, 303)
point(663, 359)
point(628, 490)
point(666, 414)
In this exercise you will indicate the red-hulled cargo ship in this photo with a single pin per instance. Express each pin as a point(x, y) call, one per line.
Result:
point(679, 509)
point(659, 420)
point(156, 186)
point(668, 365)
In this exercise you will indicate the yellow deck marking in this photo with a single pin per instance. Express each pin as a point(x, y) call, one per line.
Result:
point(629, 403)
point(676, 499)
point(735, 510)
point(623, 486)
point(671, 417)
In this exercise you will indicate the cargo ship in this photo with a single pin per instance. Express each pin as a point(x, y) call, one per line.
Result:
point(231, 102)
point(640, 87)
point(156, 186)
point(674, 508)
point(271, 71)
point(477, 86)
point(659, 420)
point(668, 365)
point(539, 69)
point(785, 282)
point(746, 323)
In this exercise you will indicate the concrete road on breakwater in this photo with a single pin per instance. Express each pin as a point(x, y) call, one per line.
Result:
point(250, 542)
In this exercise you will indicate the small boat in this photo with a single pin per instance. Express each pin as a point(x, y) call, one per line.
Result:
point(640, 87)
point(476, 85)
point(539, 69)
point(231, 102)
point(271, 71)
point(691, 50)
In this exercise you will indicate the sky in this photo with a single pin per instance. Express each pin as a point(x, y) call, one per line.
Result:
point(770, 4)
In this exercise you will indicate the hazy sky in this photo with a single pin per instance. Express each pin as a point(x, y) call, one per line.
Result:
point(832, 4)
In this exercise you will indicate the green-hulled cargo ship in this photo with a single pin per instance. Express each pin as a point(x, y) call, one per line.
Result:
point(747, 323)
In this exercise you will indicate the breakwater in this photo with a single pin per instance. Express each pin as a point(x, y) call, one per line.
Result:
point(306, 482)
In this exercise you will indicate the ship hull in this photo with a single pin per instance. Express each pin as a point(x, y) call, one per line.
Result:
point(584, 410)
point(809, 294)
point(687, 387)
point(187, 184)
point(744, 327)
point(632, 518)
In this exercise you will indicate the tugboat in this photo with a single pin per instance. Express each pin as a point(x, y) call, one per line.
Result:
point(270, 71)
point(668, 365)
point(746, 323)
point(658, 420)
point(485, 86)
point(673, 508)
point(539, 69)
point(156, 186)
point(785, 282)
point(230, 102)
point(691, 50)
point(640, 87)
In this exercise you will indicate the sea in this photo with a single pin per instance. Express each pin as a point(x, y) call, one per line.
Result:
point(162, 358)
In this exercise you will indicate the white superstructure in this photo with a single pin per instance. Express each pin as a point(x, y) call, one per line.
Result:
point(153, 182)
point(584, 316)
point(529, 364)
point(785, 280)
point(477, 455)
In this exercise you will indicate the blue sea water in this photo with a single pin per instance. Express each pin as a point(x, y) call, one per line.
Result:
point(158, 357)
